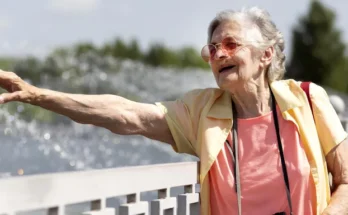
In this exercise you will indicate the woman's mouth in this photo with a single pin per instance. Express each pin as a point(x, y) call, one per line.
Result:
point(227, 68)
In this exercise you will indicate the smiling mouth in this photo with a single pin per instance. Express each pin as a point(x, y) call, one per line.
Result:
point(224, 69)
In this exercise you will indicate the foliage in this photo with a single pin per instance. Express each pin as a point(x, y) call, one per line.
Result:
point(318, 52)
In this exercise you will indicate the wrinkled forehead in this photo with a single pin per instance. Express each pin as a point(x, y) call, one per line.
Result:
point(240, 32)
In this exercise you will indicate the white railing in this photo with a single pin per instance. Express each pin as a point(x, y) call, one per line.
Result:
point(53, 192)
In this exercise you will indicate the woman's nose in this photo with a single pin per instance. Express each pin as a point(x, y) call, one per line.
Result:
point(220, 54)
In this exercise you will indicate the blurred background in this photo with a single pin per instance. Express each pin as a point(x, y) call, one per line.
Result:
point(143, 50)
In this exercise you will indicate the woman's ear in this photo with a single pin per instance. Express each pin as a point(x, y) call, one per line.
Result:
point(267, 57)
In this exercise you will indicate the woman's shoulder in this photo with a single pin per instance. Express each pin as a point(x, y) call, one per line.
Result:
point(292, 84)
point(289, 93)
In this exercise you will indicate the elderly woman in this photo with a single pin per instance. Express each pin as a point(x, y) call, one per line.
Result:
point(264, 146)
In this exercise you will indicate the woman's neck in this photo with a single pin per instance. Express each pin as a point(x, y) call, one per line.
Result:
point(252, 99)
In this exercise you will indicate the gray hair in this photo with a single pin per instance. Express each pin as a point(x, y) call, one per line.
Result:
point(271, 36)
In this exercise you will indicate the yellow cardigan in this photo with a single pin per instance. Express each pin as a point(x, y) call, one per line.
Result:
point(201, 119)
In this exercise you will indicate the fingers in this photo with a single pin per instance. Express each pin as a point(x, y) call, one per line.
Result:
point(7, 75)
point(7, 79)
point(10, 97)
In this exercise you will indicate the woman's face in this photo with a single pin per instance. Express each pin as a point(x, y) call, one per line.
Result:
point(235, 68)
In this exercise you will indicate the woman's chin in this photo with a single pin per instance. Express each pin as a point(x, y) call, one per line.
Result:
point(226, 82)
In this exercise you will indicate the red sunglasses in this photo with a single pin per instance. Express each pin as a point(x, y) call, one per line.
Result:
point(228, 45)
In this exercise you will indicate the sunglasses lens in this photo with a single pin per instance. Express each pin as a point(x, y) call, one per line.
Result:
point(208, 51)
point(229, 46)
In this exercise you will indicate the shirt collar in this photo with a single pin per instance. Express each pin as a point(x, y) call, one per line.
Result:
point(287, 93)
point(222, 107)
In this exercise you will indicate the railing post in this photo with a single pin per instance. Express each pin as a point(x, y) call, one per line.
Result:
point(164, 205)
point(188, 203)
point(134, 206)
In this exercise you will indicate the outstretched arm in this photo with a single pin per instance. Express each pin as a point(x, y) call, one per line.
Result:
point(115, 113)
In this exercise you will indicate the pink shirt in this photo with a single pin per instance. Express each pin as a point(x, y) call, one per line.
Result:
point(262, 183)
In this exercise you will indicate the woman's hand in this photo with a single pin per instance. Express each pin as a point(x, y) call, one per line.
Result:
point(17, 89)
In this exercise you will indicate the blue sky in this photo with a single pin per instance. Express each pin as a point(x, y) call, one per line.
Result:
point(37, 26)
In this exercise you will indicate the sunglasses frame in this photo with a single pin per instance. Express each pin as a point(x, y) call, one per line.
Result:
point(218, 46)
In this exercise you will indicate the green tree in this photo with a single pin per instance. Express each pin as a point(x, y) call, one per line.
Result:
point(61, 57)
point(160, 55)
point(7, 63)
point(29, 68)
point(106, 50)
point(338, 78)
point(189, 57)
point(83, 48)
point(50, 68)
point(318, 53)
point(134, 51)
point(119, 49)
